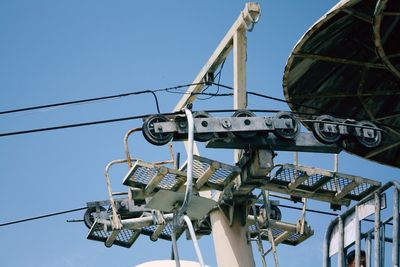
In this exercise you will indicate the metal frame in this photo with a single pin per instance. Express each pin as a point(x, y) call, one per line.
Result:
point(284, 126)
point(377, 232)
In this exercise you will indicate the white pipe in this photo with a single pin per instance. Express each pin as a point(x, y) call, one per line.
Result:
point(135, 223)
point(194, 239)
point(188, 193)
point(175, 249)
point(189, 170)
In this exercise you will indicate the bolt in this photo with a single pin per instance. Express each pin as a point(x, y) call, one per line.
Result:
point(226, 124)
point(182, 124)
point(159, 128)
point(204, 123)
point(247, 122)
point(268, 121)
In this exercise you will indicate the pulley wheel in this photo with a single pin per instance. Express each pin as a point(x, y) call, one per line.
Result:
point(276, 213)
point(244, 113)
point(153, 137)
point(319, 132)
point(202, 137)
point(88, 218)
point(287, 134)
point(370, 141)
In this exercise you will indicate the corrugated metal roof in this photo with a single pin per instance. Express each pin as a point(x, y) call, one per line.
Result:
point(348, 65)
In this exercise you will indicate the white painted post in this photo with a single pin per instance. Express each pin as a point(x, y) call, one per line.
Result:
point(232, 248)
point(230, 241)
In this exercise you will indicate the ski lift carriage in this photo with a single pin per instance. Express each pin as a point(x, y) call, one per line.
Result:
point(163, 201)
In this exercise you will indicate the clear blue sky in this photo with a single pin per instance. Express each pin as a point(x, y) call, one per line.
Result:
point(54, 51)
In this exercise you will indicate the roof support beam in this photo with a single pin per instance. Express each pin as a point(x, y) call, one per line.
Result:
point(340, 60)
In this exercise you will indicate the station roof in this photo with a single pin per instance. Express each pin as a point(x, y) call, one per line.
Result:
point(348, 65)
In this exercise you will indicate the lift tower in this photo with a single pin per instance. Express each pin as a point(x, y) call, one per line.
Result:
point(230, 238)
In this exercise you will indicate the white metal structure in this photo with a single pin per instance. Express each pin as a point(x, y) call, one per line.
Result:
point(230, 241)
point(163, 202)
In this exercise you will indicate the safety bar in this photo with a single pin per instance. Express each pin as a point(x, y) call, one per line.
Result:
point(136, 223)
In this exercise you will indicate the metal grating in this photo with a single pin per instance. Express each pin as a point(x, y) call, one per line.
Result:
point(336, 188)
point(169, 182)
point(221, 175)
point(293, 239)
point(125, 237)
point(154, 177)
point(214, 174)
point(142, 175)
point(165, 234)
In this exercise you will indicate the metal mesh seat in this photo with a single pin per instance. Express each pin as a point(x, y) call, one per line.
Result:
point(125, 237)
point(319, 184)
point(290, 238)
point(212, 173)
point(206, 173)
point(152, 177)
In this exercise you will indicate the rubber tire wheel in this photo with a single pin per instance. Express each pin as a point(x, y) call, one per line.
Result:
point(88, 217)
point(369, 142)
point(287, 134)
point(323, 137)
point(247, 134)
point(202, 137)
point(149, 133)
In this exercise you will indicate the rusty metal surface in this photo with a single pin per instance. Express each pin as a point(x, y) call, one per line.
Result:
point(347, 65)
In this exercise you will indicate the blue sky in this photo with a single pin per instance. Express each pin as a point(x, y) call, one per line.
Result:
point(55, 51)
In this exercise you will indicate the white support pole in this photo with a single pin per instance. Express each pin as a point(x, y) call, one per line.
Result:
point(239, 69)
point(230, 242)
point(239, 75)
point(232, 248)
point(231, 245)
point(248, 16)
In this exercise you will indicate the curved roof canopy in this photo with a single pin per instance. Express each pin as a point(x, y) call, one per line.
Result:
point(348, 66)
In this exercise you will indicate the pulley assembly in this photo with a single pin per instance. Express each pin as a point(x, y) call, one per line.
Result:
point(160, 129)
point(329, 130)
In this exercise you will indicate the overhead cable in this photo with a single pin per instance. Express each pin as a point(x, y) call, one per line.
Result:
point(42, 216)
point(71, 125)
point(82, 101)
point(267, 96)
point(167, 89)
point(88, 100)
point(103, 122)
point(83, 208)
point(116, 120)
point(219, 74)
